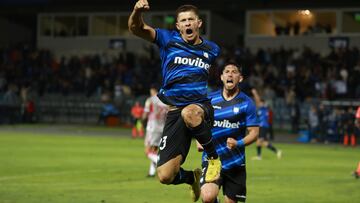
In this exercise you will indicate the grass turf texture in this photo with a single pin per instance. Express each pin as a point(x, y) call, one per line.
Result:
point(74, 167)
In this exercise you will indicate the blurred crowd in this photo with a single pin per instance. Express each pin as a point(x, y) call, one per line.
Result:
point(295, 27)
point(332, 124)
point(285, 73)
point(294, 76)
point(300, 73)
point(26, 67)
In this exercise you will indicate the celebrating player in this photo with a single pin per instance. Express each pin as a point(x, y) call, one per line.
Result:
point(186, 60)
point(236, 126)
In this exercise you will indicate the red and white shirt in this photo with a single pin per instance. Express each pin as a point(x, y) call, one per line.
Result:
point(156, 111)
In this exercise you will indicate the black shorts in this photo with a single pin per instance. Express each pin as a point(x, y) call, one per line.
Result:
point(176, 137)
point(263, 133)
point(232, 181)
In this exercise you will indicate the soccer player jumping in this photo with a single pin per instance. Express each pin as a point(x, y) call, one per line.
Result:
point(186, 60)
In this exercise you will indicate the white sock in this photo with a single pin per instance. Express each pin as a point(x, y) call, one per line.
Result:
point(152, 157)
point(152, 168)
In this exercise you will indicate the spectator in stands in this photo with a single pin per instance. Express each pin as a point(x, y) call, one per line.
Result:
point(27, 106)
point(294, 108)
point(108, 109)
point(334, 124)
point(29, 114)
point(2, 81)
point(12, 103)
point(313, 123)
point(340, 87)
point(296, 28)
point(322, 123)
point(118, 91)
point(287, 28)
point(328, 28)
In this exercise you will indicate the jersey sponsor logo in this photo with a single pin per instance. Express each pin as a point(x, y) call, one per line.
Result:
point(206, 55)
point(216, 107)
point(198, 62)
point(236, 110)
point(226, 124)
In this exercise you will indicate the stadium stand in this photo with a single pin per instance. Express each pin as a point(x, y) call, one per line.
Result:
point(68, 88)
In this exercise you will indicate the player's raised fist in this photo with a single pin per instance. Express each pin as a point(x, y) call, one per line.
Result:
point(141, 5)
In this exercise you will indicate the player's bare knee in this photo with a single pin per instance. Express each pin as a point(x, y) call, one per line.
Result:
point(207, 196)
point(192, 115)
point(164, 176)
point(265, 144)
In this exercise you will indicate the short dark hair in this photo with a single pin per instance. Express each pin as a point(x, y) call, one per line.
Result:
point(187, 7)
point(154, 86)
point(239, 67)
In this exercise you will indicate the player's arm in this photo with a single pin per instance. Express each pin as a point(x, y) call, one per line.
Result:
point(251, 137)
point(256, 96)
point(146, 109)
point(144, 115)
point(136, 23)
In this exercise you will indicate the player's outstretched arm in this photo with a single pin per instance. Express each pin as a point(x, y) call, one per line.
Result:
point(256, 95)
point(136, 23)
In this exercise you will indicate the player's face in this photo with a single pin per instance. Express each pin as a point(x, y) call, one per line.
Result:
point(231, 77)
point(153, 91)
point(188, 23)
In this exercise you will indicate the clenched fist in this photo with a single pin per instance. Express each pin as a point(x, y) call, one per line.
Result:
point(231, 143)
point(142, 5)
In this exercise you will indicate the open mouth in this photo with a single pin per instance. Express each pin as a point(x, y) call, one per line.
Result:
point(229, 82)
point(189, 31)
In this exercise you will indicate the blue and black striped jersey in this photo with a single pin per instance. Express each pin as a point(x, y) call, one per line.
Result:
point(185, 68)
point(263, 114)
point(231, 120)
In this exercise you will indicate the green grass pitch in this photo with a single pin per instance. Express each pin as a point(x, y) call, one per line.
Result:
point(37, 166)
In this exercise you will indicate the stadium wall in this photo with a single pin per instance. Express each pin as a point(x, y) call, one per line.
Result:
point(318, 43)
point(13, 33)
point(224, 31)
point(85, 45)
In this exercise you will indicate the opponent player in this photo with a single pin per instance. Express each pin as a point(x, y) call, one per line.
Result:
point(236, 126)
point(186, 60)
point(155, 114)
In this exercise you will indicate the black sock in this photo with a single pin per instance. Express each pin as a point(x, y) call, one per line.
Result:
point(202, 133)
point(272, 148)
point(258, 150)
point(183, 177)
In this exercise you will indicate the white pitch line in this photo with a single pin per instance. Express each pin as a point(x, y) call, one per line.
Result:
point(5, 178)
